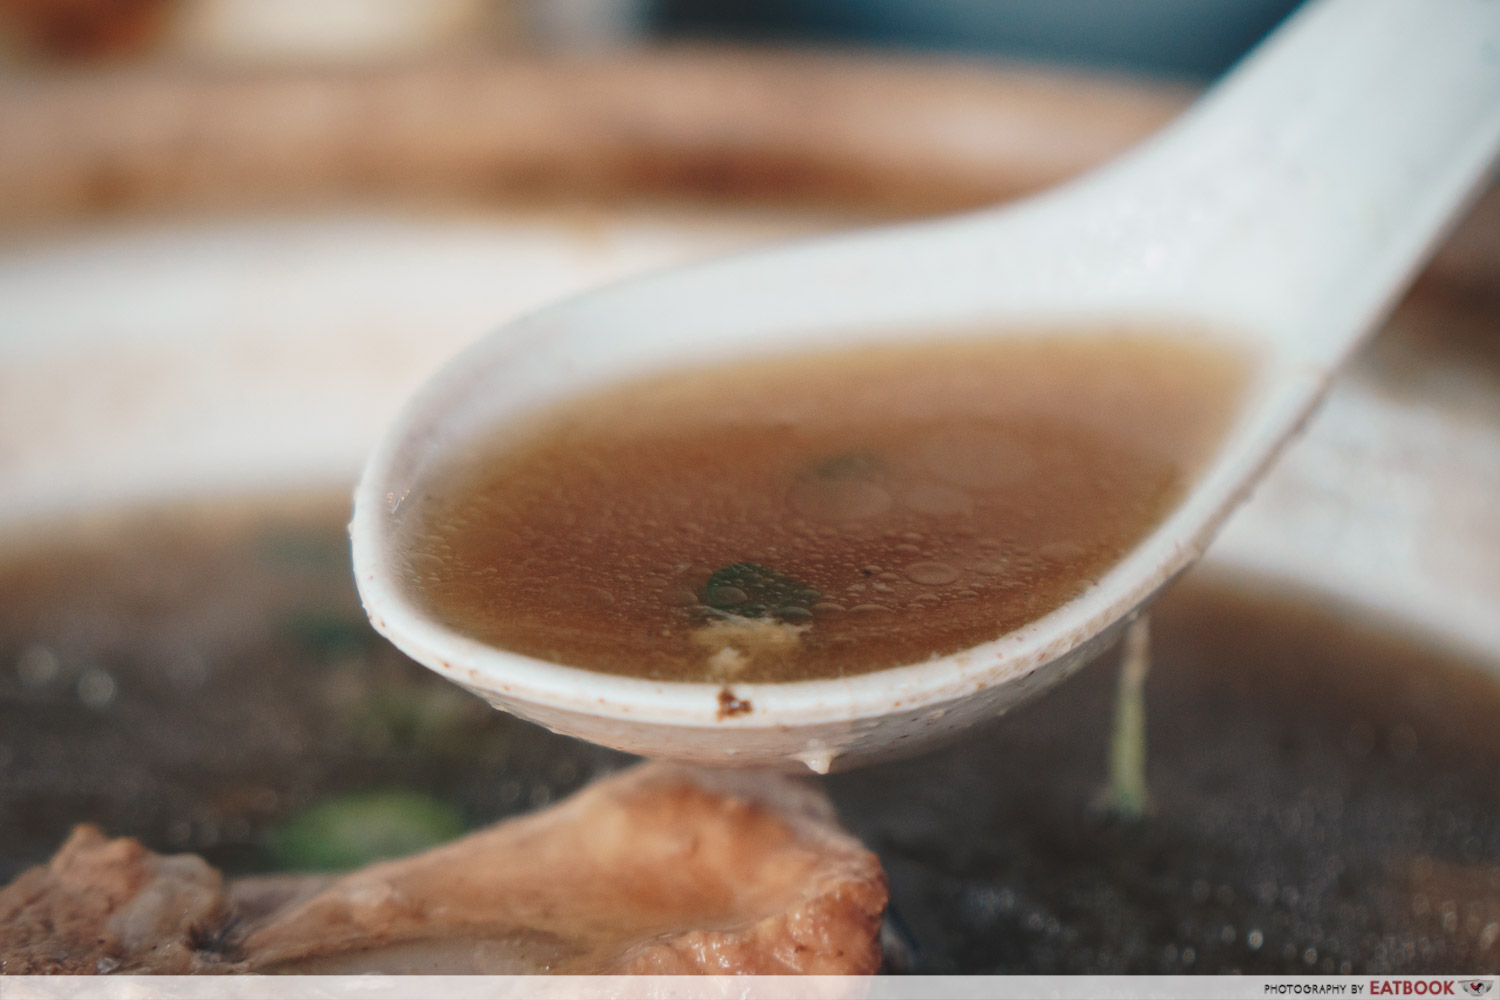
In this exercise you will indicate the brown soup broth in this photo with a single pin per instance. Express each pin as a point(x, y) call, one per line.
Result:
point(819, 515)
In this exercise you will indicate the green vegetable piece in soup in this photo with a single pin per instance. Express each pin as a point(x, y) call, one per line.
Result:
point(355, 830)
point(751, 590)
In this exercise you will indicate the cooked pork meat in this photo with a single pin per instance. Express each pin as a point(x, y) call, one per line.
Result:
point(662, 869)
point(103, 905)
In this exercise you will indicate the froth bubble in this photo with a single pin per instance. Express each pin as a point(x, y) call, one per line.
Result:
point(932, 574)
point(96, 689)
point(726, 595)
point(37, 666)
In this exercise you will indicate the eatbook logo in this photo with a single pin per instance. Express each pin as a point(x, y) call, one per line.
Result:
point(1431, 987)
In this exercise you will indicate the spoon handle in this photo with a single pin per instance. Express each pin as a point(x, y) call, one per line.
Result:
point(1315, 180)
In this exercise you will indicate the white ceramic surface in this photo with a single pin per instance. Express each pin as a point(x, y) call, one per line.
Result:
point(1285, 211)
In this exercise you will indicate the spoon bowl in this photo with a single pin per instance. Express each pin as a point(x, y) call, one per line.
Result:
point(1279, 219)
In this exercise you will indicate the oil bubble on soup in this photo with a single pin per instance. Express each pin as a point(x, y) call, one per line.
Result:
point(821, 515)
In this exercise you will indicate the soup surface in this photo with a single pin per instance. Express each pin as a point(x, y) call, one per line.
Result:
point(821, 515)
point(1326, 791)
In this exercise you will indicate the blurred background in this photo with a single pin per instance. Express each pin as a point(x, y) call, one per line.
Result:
point(1188, 38)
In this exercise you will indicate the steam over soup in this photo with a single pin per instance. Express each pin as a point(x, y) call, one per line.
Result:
point(820, 515)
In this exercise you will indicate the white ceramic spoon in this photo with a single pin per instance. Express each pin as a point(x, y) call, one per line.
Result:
point(1285, 211)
